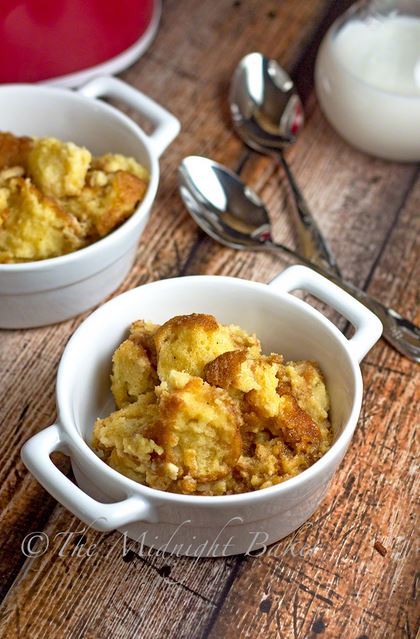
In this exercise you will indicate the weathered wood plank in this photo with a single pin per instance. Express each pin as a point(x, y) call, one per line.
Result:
point(341, 586)
point(76, 589)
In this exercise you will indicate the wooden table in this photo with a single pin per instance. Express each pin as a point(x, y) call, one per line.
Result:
point(332, 579)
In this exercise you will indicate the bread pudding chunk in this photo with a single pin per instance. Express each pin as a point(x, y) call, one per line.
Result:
point(32, 226)
point(66, 199)
point(255, 377)
point(123, 439)
point(189, 342)
point(200, 427)
point(111, 163)
point(58, 168)
point(103, 204)
point(132, 373)
point(203, 412)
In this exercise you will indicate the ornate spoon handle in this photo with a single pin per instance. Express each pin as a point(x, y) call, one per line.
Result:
point(312, 243)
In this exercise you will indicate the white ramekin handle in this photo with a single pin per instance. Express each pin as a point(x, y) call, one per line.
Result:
point(166, 125)
point(36, 457)
point(368, 327)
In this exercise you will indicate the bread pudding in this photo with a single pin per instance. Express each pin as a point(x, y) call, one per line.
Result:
point(55, 197)
point(200, 410)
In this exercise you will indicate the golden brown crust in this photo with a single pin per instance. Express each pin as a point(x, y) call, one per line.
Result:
point(103, 207)
point(223, 370)
point(14, 150)
point(189, 342)
point(284, 388)
point(128, 191)
point(192, 321)
point(294, 424)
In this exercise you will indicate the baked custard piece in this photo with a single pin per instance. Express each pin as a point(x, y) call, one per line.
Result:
point(32, 226)
point(202, 411)
point(106, 201)
point(189, 342)
point(58, 168)
point(90, 196)
point(134, 365)
point(124, 438)
point(113, 162)
point(199, 428)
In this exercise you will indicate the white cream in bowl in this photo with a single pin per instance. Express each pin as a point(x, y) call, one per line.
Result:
point(368, 83)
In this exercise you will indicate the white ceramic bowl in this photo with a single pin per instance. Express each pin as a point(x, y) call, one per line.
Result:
point(49, 291)
point(194, 525)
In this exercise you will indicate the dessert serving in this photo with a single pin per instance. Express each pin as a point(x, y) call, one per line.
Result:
point(200, 410)
point(55, 197)
point(186, 424)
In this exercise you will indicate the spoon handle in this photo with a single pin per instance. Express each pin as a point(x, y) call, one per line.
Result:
point(402, 334)
point(313, 245)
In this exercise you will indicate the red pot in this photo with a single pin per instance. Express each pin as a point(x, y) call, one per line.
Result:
point(45, 39)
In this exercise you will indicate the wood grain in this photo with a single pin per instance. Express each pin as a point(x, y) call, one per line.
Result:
point(328, 580)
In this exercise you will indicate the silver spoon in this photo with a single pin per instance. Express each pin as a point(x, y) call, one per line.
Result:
point(267, 114)
point(233, 214)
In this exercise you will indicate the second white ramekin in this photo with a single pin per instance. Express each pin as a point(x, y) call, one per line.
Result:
point(50, 291)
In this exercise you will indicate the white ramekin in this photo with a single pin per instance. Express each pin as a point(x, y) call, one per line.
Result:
point(49, 291)
point(194, 525)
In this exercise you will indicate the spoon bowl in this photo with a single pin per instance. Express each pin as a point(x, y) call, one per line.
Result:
point(266, 111)
point(229, 211)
